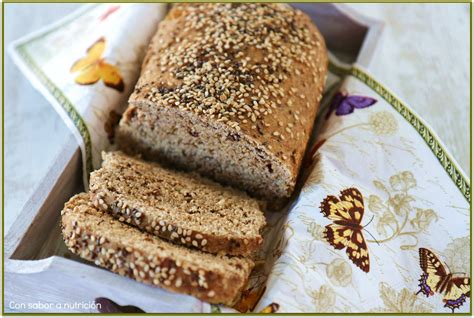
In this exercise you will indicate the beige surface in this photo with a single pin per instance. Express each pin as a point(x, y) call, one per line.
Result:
point(424, 58)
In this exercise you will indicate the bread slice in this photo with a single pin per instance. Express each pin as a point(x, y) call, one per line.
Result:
point(98, 237)
point(181, 207)
point(230, 91)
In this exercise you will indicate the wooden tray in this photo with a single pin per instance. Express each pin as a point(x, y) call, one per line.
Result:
point(38, 266)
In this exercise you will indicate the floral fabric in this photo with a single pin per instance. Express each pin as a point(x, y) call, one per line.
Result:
point(408, 202)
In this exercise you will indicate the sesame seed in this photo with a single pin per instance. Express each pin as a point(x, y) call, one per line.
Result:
point(215, 77)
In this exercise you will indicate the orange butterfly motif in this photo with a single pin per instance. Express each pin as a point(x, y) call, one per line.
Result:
point(270, 309)
point(93, 68)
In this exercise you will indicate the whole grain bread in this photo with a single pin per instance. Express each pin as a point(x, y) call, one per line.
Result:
point(180, 207)
point(232, 91)
point(99, 238)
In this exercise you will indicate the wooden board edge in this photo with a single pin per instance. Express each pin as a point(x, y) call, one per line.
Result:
point(61, 175)
point(372, 39)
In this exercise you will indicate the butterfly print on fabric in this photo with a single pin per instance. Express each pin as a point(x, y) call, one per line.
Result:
point(435, 278)
point(270, 309)
point(346, 212)
point(93, 68)
point(345, 104)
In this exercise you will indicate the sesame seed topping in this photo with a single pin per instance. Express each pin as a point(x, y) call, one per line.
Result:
point(211, 293)
point(218, 76)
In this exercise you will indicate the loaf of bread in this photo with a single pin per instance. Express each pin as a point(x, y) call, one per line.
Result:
point(231, 91)
point(180, 207)
point(98, 237)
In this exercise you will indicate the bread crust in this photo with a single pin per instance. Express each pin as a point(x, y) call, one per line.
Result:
point(97, 237)
point(286, 108)
point(110, 192)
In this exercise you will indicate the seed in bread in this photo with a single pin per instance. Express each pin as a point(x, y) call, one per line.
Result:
point(180, 207)
point(99, 238)
point(232, 91)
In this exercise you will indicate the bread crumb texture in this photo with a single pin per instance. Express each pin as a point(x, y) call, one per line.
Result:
point(109, 243)
point(232, 91)
point(180, 207)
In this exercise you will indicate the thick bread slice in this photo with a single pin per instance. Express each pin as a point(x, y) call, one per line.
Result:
point(181, 207)
point(97, 237)
point(231, 91)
